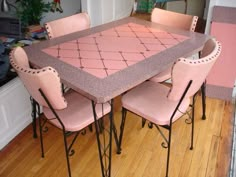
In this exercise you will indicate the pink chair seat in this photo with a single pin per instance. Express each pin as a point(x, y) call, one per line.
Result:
point(163, 76)
point(78, 114)
point(150, 100)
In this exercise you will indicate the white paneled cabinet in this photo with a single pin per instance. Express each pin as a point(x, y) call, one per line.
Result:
point(15, 110)
point(209, 8)
point(222, 77)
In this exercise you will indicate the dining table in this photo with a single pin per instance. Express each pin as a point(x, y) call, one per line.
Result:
point(105, 61)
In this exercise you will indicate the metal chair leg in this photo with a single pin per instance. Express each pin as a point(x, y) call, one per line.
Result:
point(168, 151)
point(41, 137)
point(170, 126)
point(34, 116)
point(67, 154)
point(203, 90)
point(192, 133)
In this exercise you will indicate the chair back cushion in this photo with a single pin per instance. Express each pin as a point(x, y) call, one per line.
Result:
point(174, 19)
point(185, 70)
point(22, 58)
point(46, 79)
point(67, 25)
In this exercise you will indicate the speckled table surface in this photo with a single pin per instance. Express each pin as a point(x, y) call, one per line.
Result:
point(105, 61)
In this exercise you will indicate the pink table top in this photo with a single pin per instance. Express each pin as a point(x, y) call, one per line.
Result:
point(103, 62)
point(106, 52)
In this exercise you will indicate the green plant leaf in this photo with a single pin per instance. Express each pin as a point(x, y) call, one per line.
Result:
point(31, 11)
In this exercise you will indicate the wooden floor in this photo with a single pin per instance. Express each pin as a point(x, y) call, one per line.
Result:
point(142, 154)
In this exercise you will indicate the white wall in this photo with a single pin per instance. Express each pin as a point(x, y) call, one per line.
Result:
point(211, 4)
point(104, 11)
point(94, 9)
point(123, 8)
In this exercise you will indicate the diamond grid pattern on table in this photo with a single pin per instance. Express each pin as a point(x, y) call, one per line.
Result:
point(106, 52)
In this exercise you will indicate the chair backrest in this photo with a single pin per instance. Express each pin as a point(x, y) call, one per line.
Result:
point(46, 79)
point(67, 25)
point(197, 70)
point(174, 19)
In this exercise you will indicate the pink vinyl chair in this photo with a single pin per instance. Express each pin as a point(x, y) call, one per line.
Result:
point(176, 20)
point(181, 21)
point(162, 105)
point(70, 112)
point(67, 25)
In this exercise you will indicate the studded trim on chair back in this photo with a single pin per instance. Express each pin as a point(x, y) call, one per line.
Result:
point(67, 25)
point(173, 19)
point(185, 70)
point(33, 79)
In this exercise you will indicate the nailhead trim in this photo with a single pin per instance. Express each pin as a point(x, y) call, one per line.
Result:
point(202, 60)
point(194, 23)
point(48, 31)
point(32, 71)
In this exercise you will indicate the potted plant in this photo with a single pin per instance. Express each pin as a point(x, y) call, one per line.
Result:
point(31, 12)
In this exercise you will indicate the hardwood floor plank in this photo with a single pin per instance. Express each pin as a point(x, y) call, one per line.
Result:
point(203, 140)
point(226, 134)
point(213, 156)
point(142, 154)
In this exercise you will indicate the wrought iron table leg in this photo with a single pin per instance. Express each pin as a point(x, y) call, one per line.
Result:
point(91, 127)
point(116, 138)
point(143, 122)
point(104, 147)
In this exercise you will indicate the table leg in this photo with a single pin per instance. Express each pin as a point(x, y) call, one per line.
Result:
point(104, 141)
